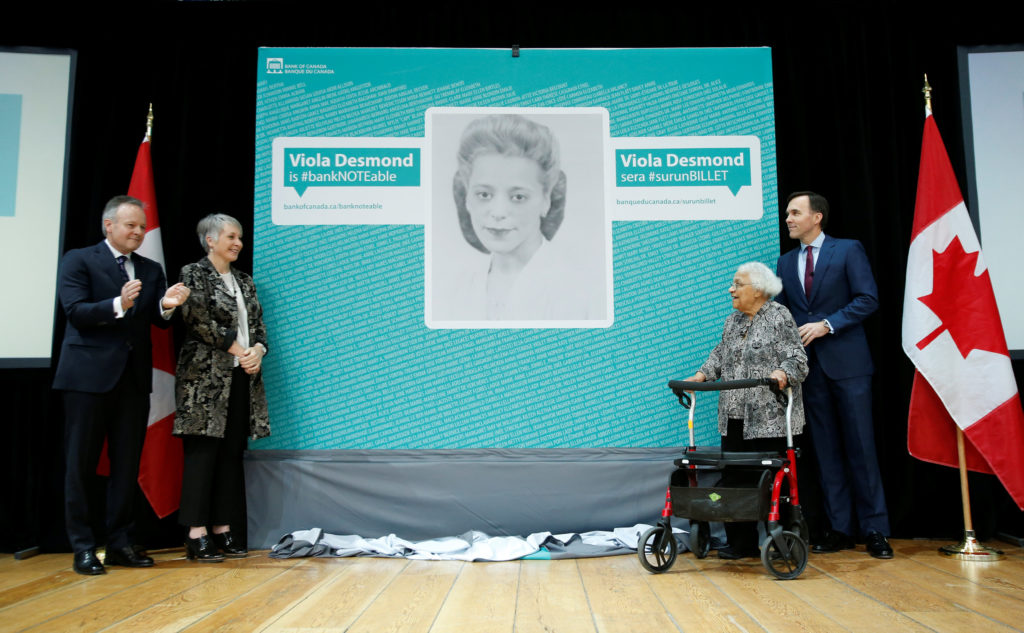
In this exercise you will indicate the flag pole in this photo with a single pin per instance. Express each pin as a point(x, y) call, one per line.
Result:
point(149, 125)
point(927, 91)
point(968, 548)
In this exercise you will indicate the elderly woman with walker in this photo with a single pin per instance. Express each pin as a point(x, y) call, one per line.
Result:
point(760, 339)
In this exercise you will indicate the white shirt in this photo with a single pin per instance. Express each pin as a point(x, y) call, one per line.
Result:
point(242, 333)
point(801, 263)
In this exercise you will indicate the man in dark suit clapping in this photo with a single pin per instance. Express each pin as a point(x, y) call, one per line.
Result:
point(111, 296)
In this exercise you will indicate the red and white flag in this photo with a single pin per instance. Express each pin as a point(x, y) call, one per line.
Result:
point(953, 335)
point(161, 464)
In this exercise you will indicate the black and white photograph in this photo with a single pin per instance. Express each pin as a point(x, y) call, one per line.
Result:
point(516, 230)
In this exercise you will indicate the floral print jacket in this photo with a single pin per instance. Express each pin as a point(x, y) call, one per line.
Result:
point(754, 348)
point(203, 377)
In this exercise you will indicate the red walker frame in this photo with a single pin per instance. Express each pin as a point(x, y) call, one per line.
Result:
point(784, 551)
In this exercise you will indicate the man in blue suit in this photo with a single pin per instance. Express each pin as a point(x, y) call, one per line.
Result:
point(111, 296)
point(829, 289)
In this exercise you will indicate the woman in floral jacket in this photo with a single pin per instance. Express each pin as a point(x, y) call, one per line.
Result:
point(218, 390)
point(760, 339)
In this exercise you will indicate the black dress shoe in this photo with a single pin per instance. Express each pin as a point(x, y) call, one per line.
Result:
point(127, 556)
point(834, 542)
point(228, 546)
point(202, 549)
point(878, 546)
point(735, 553)
point(87, 564)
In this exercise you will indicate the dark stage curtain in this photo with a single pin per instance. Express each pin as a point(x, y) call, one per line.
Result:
point(849, 116)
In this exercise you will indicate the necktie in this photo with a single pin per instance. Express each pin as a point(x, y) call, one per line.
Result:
point(809, 271)
point(121, 259)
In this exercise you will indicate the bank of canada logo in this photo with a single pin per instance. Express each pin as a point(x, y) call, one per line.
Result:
point(275, 65)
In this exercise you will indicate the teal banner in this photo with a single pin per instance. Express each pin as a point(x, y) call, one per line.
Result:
point(507, 252)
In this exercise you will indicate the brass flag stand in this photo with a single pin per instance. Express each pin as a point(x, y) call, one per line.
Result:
point(968, 548)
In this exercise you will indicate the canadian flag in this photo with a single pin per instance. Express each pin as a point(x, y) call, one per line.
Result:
point(953, 335)
point(161, 464)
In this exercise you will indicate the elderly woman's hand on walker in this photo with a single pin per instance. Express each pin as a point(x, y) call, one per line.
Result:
point(780, 377)
point(698, 377)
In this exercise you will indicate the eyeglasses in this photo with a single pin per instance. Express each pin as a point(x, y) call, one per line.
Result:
point(739, 284)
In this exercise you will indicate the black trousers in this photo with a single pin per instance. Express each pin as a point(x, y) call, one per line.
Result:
point(213, 481)
point(120, 417)
point(742, 535)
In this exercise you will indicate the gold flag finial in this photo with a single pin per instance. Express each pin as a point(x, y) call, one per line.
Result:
point(149, 123)
point(927, 90)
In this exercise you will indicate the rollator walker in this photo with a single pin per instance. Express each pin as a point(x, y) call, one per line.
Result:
point(784, 549)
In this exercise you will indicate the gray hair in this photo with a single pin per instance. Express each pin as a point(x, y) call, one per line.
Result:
point(761, 278)
point(110, 210)
point(213, 225)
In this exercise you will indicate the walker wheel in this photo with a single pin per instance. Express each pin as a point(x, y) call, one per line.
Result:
point(785, 566)
point(700, 538)
point(657, 549)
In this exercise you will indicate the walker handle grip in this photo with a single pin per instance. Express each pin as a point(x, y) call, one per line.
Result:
point(681, 385)
point(681, 388)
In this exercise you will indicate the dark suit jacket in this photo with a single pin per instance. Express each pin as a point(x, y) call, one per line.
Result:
point(97, 346)
point(844, 292)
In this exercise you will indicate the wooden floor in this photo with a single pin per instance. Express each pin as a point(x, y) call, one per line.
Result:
point(848, 591)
